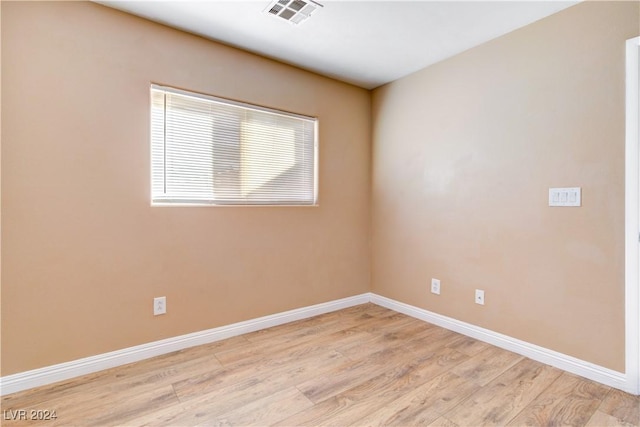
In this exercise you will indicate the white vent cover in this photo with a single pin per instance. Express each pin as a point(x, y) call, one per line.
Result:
point(294, 11)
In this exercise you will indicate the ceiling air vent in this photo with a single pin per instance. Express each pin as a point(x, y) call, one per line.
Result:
point(294, 11)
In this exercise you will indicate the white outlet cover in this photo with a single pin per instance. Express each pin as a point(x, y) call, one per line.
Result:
point(159, 306)
point(435, 286)
point(479, 296)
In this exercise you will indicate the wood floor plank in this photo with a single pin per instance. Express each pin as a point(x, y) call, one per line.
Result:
point(165, 416)
point(443, 422)
point(467, 345)
point(116, 410)
point(370, 365)
point(503, 398)
point(423, 405)
point(268, 364)
point(299, 330)
point(570, 400)
point(296, 328)
point(600, 419)
point(385, 323)
point(263, 412)
point(214, 381)
point(227, 397)
point(418, 340)
point(163, 369)
point(352, 404)
point(117, 383)
point(487, 365)
point(622, 406)
point(103, 408)
point(395, 334)
point(335, 338)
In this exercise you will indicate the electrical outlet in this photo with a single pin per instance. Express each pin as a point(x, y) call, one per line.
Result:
point(159, 305)
point(435, 286)
point(479, 296)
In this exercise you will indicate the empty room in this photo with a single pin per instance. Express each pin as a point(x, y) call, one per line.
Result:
point(302, 213)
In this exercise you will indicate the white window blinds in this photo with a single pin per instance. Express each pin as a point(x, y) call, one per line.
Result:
point(206, 150)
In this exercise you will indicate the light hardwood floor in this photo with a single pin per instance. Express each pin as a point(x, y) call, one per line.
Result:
point(361, 366)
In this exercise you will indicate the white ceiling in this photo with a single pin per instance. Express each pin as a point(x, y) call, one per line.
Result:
point(366, 43)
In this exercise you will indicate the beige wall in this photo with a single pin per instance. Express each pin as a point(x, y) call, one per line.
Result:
point(83, 253)
point(463, 155)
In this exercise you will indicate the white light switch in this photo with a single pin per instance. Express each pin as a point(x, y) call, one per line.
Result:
point(565, 196)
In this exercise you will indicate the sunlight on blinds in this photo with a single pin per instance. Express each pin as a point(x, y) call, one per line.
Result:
point(206, 150)
point(262, 145)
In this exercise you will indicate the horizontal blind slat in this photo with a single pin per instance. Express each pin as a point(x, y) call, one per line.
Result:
point(207, 151)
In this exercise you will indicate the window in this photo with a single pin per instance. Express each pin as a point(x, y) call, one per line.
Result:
point(206, 150)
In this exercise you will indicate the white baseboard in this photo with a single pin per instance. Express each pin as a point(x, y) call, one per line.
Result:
point(559, 360)
point(50, 374)
point(63, 371)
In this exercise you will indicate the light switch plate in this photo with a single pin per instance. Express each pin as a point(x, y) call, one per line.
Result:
point(570, 196)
